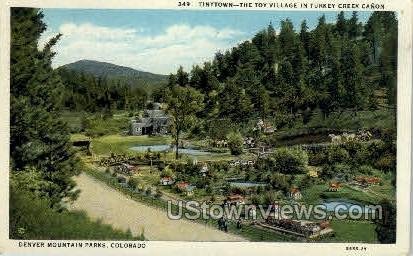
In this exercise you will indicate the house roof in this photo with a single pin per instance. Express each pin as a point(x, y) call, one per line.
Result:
point(235, 197)
point(182, 184)
point(167, 178)
point(294, 190)
point(335, 185)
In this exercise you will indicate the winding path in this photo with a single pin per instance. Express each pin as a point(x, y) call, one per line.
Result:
point(113, 207)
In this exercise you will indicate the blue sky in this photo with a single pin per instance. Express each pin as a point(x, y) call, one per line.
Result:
point(159, 41)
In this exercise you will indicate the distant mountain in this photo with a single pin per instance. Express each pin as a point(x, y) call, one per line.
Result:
point(112, 71)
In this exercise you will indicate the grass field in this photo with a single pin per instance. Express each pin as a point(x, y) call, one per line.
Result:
point(353, 231)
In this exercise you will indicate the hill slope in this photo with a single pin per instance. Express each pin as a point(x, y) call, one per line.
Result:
point(112, 71)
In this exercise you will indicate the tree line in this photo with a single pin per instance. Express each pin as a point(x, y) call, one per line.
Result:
point(87, 92)
point(332, 68)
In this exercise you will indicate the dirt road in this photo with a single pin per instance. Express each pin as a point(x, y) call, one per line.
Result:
point(113, 207)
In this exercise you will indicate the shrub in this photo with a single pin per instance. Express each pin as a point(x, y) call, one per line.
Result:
point(290, 160)
point(270, 197)
point(158, 194)
point(366, 169)
point(317, 158)
point(148, 191)
point(121, 179)
point(235, 143)
point(386, 162)
point(340, 171)
point(256, 199)
point(337, 155)
point(133, 183)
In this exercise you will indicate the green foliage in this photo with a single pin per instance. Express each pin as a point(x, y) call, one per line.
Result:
point(340, 171)
point(337, 154)
point(386, 227)
point(290, 160)
point(281, 182)
point(87, 92)
point(183, 104)
point(331, 69)
point(235, 143)
point(38, 137)
point(133, 183)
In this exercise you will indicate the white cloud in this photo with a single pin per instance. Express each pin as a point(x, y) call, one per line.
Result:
point(179, 44)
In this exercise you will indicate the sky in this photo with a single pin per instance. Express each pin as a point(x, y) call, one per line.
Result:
point(159, 41)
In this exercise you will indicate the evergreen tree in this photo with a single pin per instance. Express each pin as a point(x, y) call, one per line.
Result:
point(38, 138)
point(341, 25)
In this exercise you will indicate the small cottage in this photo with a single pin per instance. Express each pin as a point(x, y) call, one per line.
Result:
point(165, 181)
point(185, 187)
point(235, 199)
point(154, 122)
point(334, 186)
point(265, 127)
point(295, 194)
point(367, 181)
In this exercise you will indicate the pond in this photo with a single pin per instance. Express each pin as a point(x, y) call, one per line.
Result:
point(168, 148)
point(345, 205)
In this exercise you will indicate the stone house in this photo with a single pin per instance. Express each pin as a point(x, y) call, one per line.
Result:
point(154, 122)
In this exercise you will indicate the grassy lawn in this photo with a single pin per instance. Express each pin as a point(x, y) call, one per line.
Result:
point(315, 193)
point(353, 231)
point(120, 144)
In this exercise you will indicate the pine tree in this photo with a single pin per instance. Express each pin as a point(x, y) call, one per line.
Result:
point(38, 138)
point(341, 28)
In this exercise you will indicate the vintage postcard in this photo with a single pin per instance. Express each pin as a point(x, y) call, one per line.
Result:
point(205, 127)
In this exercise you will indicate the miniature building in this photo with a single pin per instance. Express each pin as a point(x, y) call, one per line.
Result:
point(124, 168)
point(186, 188)
point(264, 127)
point(165, 181)
point(334, 186)
point(367, 181)
point(153, 122)
point(235, 199)
point(295, 194)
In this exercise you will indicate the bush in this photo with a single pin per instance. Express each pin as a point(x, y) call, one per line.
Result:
point(339, 171)
point(148, 191)
point(121, 179)
point(290, 160)
point(235, 143)
point(337, 155)
point(386, 163)
point(133, 183)
point(158, 194)
point(366, 169)
point(317, 158)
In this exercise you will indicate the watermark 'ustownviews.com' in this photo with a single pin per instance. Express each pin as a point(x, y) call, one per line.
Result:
point(195, 210)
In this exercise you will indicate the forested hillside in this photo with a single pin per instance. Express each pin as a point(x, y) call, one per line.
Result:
point(94, 86)
point(87, 92)
point(109, 70)
point(290, 75)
